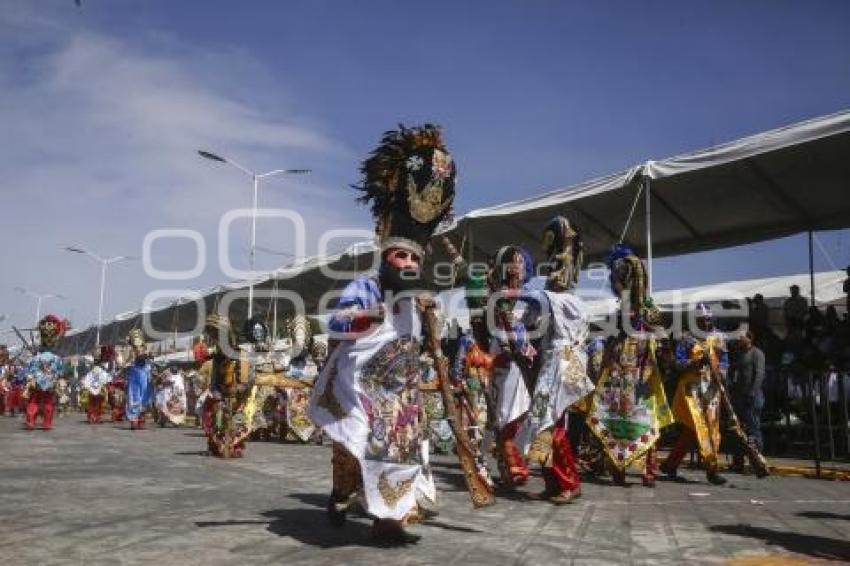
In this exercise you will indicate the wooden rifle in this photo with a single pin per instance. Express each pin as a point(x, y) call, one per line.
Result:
point(475, 473)
point(757, 460)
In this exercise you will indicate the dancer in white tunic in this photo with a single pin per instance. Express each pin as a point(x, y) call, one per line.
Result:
point(511, 270)
point(96, 383)
point(170, 398)
point(367, 397)
point(560, 316)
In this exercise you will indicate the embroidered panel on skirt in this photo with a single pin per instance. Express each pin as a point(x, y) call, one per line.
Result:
point(696, 405)
point(629, 407)
point(391, 400)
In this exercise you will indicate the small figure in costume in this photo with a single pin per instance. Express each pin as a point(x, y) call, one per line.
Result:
point(305, 347)
point(15, 402)
point(6, 373)
point(629, 407)
point(170, 397)
point(42, 373)
point(116, 391)
point(139, 393)
point(96, 383)
point(512, 364)
point(562, 378)
point(255, 354)
point(228, 410)
point(696, 404)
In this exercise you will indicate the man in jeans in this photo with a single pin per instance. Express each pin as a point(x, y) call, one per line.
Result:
point(747, 396)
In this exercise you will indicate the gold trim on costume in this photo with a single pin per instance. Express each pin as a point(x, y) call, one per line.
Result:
point(392, 495)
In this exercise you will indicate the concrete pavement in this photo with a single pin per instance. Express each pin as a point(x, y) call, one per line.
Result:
point(84, 494)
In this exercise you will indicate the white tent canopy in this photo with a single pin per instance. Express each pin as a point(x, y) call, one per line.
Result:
point(828, 284)
point(777, 183)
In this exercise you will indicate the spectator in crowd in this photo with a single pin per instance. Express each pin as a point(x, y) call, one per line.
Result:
point(747, 395)
point(847, 289)
point(841, 344)
point(817, 341)
point(795, 308)
point(815, 324)
point(832, 321)
point(759, 317)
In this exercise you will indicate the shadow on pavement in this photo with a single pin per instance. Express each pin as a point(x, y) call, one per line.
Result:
point(315, 499)
point(677, 479)
point(811, 545)
point(311, 527)
point(451, 478)
point(307, 526)
point(320, 500)
point(449, 527)
point(823, 515)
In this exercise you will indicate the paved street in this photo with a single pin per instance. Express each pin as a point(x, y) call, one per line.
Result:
point(102, 495)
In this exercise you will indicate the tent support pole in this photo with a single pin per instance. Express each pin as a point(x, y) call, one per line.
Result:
point(812, 266)
point(811, 379)
point(646, 196)
point(814, 415)
point(274, 310)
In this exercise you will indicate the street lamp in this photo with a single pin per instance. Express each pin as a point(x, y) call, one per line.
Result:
point(103, 263)
point(39, 297)
point(255, 178)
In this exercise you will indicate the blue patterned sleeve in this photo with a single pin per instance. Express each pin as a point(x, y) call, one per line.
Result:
point(724, 359)
point(460, 358)
point(360, 294)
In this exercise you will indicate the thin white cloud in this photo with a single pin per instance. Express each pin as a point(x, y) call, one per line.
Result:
point(99, 136)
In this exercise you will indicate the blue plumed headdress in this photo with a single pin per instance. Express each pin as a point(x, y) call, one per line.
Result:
point(618, 251)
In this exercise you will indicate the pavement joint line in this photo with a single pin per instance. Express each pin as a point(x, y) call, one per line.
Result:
point(581, 531)
point(707, 501)
point(539, 526)
point(671, 533)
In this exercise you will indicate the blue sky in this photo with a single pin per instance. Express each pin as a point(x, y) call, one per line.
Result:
point(104, 106)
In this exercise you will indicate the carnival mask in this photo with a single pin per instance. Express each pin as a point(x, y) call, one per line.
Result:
point(400, 270)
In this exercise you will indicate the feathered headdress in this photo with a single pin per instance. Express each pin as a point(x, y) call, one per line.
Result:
point(50, 328)
point(564, 251)
point(628, 276)
point(409, 181)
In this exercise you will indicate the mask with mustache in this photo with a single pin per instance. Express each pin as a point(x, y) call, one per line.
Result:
point(399, 280)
